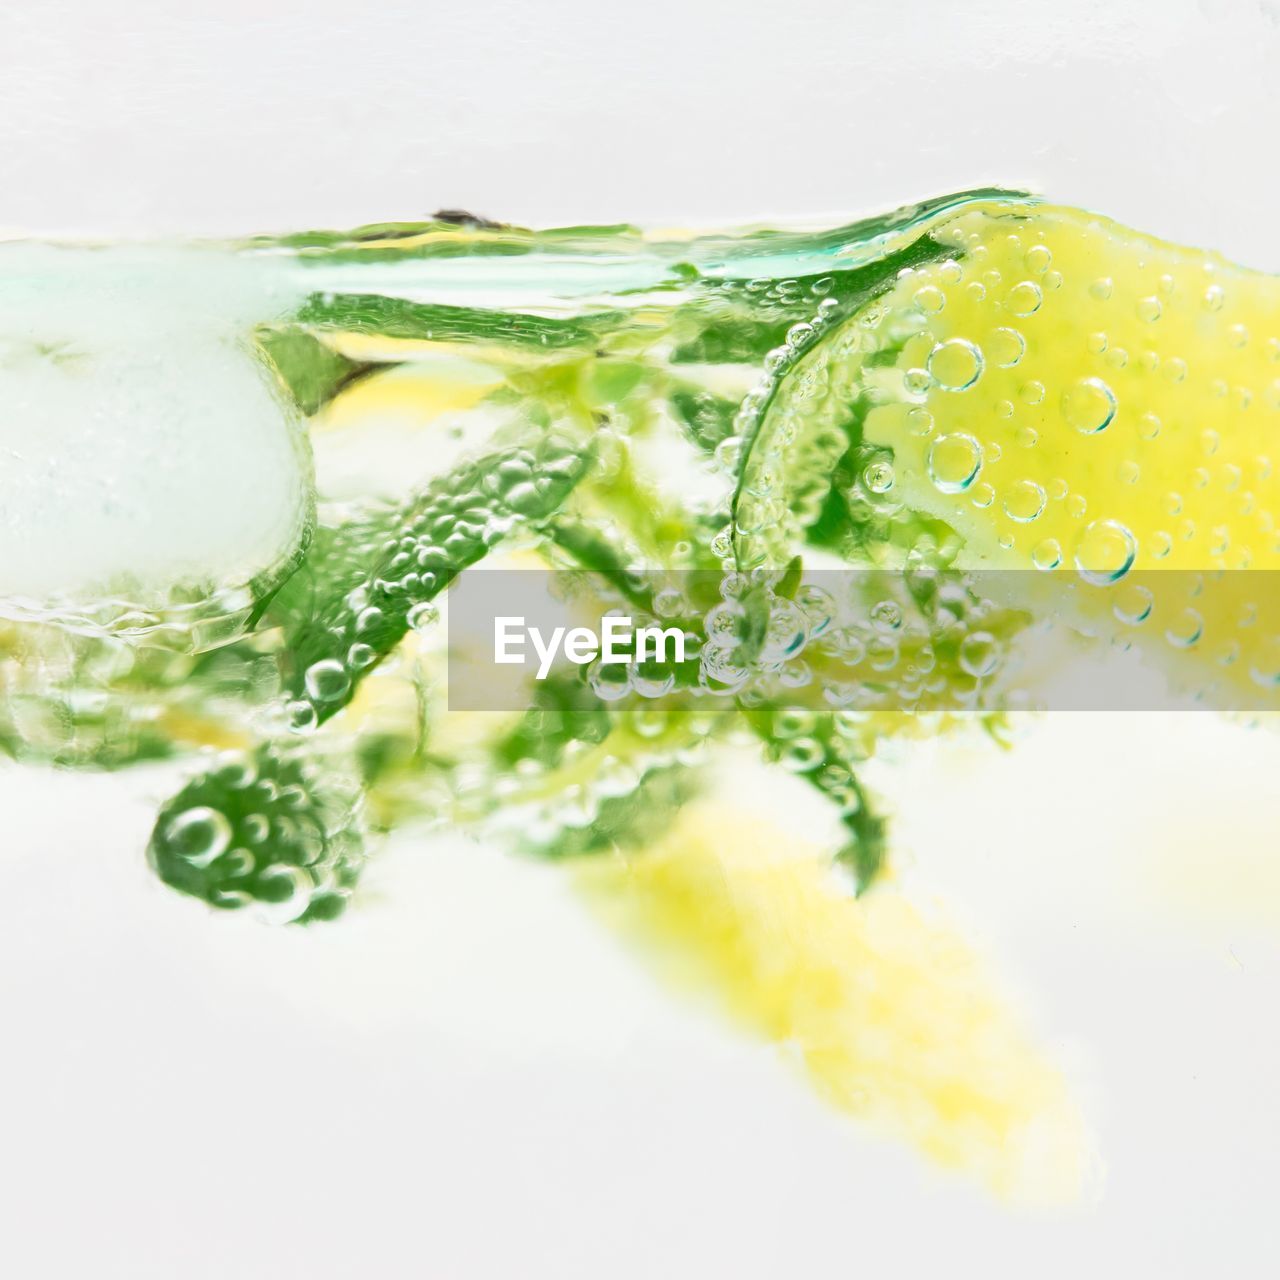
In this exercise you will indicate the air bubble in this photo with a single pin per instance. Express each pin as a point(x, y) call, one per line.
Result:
point(1186, 630)
point(369, 620)
point(979, 654)
point(668, 602)
point(327, 680)
point(930, 299)
point(301, 716)
point(1089, 406)
point(728, 453)
point(819, 607)
point(1038, 259)
point(239, 863)
point(787, 631)
point(1133, 604)
point(1006, 347)
point(199, 835)
point(954, 462)
point(283, 893)
point(1265, 671)
point(423, 616)
point(256, 828)
point(1047, 554)
point(917, 381)
point(236, 772)
point(1024, 501)
point(360, 656)
point(955, 364)
point(878, 476)
point(919, 422)
point(1105, 552)
point(886, 615)
point(802, 755)
point(1024, 299)
point(610, 680)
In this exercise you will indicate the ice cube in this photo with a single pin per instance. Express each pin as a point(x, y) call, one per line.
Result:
point(145, 449)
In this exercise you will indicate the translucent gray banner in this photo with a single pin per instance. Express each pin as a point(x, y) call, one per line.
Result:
point(926, 641)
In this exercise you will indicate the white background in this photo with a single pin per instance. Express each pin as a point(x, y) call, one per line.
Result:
point(244, 115)
point(468, 1078)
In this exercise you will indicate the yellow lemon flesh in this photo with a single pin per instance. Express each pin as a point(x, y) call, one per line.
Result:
point(1076, 398)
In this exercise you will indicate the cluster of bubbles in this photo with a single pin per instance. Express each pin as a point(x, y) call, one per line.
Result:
point(279, 828)
point(752, 631)
point(762, 511)
point(193, 617)
point(765, 299)
point(590, 785)
point(450, 527)
point(208, 840)
point(1230, 618)
point(817, 660)
point(106, 701)
point(268, 830)
point(862, 641)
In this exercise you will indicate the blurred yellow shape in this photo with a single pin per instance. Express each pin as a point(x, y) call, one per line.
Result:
point(890, 1013)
